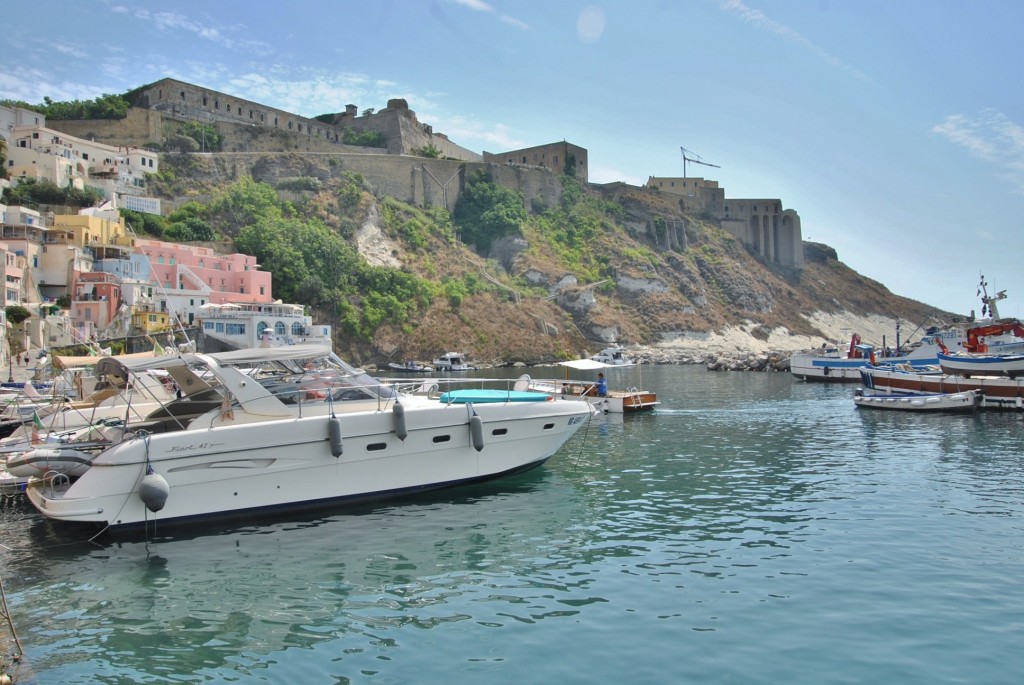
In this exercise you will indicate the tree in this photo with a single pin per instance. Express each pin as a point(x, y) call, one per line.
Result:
point(16, 315)
point(486, 211)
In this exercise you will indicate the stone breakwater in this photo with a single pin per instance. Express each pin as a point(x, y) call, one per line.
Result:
point(718, 361)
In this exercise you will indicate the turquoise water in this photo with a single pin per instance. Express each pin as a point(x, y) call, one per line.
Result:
point(751, 530)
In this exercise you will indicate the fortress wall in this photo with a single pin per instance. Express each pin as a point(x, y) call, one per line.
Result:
point(141, 126)
point(416, 180)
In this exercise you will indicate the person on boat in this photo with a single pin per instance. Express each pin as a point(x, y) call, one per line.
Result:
point(602, 386)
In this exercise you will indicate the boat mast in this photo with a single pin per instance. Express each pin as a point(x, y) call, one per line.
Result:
point(989, 303)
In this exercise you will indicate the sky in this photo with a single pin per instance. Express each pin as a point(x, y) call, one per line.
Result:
point(895, 129)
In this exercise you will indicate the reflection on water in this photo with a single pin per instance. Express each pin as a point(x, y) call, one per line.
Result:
point(748, 516)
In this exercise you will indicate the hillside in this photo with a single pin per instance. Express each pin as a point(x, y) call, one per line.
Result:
point(570, 279)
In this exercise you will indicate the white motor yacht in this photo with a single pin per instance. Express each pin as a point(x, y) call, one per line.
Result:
point(295, 428)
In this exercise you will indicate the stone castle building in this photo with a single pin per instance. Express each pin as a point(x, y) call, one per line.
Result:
point(771, 232)
point(556, 157)
point(243, 124)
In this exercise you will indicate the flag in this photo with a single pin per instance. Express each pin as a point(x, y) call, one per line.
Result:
point(157, 347)
point(37, 425)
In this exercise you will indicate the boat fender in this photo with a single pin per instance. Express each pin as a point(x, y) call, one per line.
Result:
point(399, 413)
point(153, 490)
point(476, 431)
point(827, 371)
point(334, 431)
point(1019, 402)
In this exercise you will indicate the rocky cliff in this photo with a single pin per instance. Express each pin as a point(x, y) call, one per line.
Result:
point(579, 276)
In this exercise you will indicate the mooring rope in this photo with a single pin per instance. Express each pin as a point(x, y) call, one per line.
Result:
point(10, 623)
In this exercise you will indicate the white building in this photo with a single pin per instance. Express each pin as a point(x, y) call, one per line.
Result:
point(240, 326)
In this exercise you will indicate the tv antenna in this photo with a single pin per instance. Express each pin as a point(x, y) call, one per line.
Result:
point(695, 158)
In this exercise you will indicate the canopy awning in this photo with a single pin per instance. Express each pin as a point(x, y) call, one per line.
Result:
point(585, 364)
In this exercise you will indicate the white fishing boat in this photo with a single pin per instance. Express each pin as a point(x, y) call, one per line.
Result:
point(957, 402)
point(829, 364)
point(451, 361)
point(968, 365)
point(614, 355)
point(296, 428)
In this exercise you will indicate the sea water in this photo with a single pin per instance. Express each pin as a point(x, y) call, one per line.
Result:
point(751, 529)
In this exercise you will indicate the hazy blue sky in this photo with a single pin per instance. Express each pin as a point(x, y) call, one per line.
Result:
point(895, 129)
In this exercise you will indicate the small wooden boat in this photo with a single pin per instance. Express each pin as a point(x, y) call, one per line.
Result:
point(965, 401)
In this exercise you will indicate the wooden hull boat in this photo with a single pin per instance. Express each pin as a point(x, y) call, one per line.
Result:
point(958, 402)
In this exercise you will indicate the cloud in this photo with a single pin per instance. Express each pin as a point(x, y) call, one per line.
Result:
point(169, 22)
point(480, 6)
point(598, 173)
point(472, 134)
point(65, 49)
point(31, 85)
point(758, 19)
point(991, 137)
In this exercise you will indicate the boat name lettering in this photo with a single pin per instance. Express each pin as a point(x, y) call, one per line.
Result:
point(573, 420)
point(200, 446)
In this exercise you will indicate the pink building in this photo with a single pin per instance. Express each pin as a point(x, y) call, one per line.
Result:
point(199, 272)
point(95, 299)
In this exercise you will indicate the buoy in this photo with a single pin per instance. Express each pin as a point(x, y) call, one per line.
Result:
point(399, 411)
point(334, 430)
point(476, 430)
point(153, 490)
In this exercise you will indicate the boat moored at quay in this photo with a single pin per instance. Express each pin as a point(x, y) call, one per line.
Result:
point(829, 365)
point(290, 428)
point(996, 393)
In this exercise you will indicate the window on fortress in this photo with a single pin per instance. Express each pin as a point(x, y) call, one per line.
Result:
point(182, 95)
point(216, 104)
point(204, 101)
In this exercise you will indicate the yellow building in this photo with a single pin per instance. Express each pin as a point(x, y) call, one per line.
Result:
point(91, 230)
point(150, 320)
